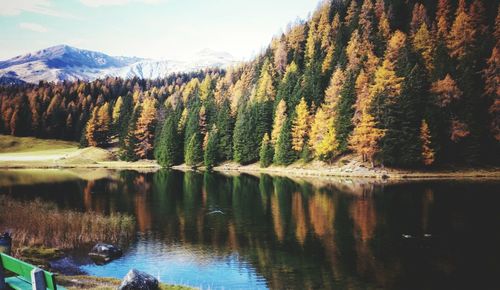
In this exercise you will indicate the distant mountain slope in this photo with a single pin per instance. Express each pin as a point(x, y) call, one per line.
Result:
point(62, 62)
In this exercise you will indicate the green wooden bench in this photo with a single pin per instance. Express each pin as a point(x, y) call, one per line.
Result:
point(28, 276)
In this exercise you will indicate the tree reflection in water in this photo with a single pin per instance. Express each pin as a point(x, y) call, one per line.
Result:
point(305, 234)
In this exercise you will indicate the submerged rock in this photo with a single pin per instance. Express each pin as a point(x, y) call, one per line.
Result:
point(137, 280)
point(66, 266)
point(103, 253)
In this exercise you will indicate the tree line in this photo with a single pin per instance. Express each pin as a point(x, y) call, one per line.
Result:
point(405, 84)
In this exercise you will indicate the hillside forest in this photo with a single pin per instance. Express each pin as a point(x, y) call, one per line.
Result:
point(400, 83)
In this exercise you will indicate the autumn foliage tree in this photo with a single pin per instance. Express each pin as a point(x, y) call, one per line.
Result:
point(355, 76)
point(98, 127)
point(300, 127)
point(427, 151)
point(145, 129)
point(322, 137)
point(365, 138)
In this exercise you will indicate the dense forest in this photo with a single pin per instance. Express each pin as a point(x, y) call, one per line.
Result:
point(400, 83)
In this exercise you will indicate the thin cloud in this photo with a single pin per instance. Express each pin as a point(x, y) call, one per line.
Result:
point(45, 7)
point(99, 3)
point(33, 27)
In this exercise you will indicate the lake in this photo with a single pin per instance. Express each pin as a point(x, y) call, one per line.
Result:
point(217, 231)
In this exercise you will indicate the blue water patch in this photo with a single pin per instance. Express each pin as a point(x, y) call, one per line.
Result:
point(184, 265)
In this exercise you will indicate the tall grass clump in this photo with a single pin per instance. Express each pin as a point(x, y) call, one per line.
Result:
point(42, 224)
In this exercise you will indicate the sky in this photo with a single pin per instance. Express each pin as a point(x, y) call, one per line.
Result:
point(159, 29)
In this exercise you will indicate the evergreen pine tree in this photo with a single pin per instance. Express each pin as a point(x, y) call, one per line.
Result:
point(210, 156)
point(225, 126)
point(283, 152)
point(123, 121)
point(168, 152)
point(289, 87)
point(192, 125)
point(345, 112)
point(130, 142)
point(194, 153)
point(266, 152)
point(245, 144)
point(403, 113)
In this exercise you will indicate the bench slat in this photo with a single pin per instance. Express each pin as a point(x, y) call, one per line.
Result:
point(18, 283)
point(24, 269)
point(19, 267)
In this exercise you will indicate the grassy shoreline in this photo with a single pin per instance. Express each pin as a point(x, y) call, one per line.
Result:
point(33, 153)
point(296, 170)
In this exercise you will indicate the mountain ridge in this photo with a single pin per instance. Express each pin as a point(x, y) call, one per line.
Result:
point(66, 63)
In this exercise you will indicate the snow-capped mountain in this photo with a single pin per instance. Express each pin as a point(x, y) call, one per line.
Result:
point(62, 62)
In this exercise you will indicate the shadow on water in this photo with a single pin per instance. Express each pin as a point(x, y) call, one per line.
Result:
point(216, 231)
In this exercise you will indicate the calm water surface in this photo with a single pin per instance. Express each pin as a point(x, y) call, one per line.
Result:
point(245, 232)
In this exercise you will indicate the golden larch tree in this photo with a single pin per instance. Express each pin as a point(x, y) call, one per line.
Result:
point(462, 34)
point(190, 90)
point(446, 90)
point(363, 97)
point(419, 16)
point(458, 130)
point(206, 87)
point(366, 20)
point(97, 130)
point(394, 46)
point(296, 37)
point(300, 126)
point(265, 89)
point(423, 42)
point(354, 51)
point(117, 110)
point(145, 130)
point(351, 12)
point(386, 81)
point(365, 137)
point(478, 17)
point(182, 121)
point(279, 120)
point(312, 40)
point(330, 45)
point(379, 8)
point(443, 18)
point(104, 120)
point(324, 26)
point(92, 128)
point(323, 138)
point(332, 93)
point(428, 155)
point(384, 27)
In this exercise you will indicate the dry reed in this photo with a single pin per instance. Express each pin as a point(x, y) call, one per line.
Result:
point(42, 224)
